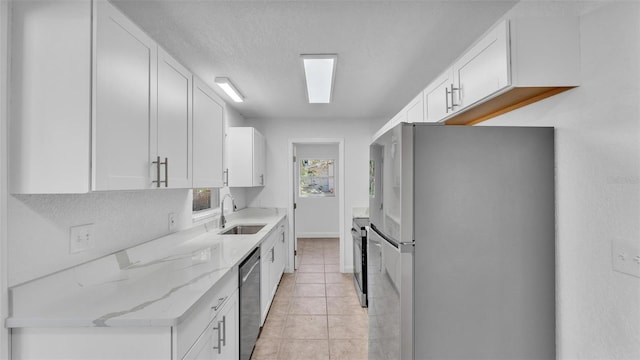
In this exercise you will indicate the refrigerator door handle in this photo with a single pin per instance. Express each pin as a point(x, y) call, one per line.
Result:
point(386, 238)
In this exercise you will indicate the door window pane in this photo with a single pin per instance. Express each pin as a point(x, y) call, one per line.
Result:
point(317, 178)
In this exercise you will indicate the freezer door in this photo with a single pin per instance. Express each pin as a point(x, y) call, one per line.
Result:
point(390, 295)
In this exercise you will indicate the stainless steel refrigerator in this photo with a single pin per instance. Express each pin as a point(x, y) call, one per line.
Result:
point(462, 243)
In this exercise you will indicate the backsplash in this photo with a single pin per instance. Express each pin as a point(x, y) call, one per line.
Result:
point(38, 232)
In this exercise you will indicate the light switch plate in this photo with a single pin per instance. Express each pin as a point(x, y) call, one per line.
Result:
point(625, 256)
point(80, 238)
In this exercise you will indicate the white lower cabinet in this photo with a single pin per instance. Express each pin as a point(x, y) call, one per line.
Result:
point(220, 339)
point(272, 260)
point(226, 341)
point(267, 257)
point(74, 343)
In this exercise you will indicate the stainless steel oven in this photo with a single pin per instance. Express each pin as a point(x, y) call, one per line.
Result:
point(359, 234)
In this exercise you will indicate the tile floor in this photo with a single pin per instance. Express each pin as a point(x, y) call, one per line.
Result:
point(315, 313)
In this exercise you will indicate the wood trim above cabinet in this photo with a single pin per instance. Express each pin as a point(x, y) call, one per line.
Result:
point(510, 100)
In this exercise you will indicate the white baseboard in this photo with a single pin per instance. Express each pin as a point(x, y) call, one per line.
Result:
point(317, 235)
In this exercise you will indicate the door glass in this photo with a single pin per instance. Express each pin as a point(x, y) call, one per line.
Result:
point(317, 178)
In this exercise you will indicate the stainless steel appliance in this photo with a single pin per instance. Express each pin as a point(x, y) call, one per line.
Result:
point(249, 303)
point(462, 243)
point(359, 234)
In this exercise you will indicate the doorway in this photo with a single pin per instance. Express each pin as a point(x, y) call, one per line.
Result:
point(316, 184)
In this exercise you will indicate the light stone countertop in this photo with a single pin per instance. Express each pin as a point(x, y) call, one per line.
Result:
point(153, 284)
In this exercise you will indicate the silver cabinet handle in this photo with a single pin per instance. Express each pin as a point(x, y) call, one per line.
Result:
point(282, 237)
point(446, 99)
point(261, 179)
point(166, 172)
point(220, 302)
point(224, 330)
point(219, 347)
point(273, 257)
point(157, 180)
point(158, 163)
point(453, 103)
point(225, 175)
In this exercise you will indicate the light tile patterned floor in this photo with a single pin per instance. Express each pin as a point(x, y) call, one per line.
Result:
point(315, 313)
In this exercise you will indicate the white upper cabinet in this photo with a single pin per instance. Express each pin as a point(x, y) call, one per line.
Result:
point(246, 157)
point(516, 63)
point(438, 97)
point(49, 125)
point(208, 137)
point(125, 102)
point(174, 123)
point(482, 70)
point(415, 110)
point(117, 112)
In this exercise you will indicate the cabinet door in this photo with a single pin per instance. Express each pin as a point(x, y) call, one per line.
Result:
point(484, 69)
point(280, 253)
point(259, 149)
point(240, 156)
point(50, 93)
point(208, 137)
point(415, 110)
point(227, 346)
point(203, 348)
point(265, 280)
point(125, 102)
point(438, 99)
point(173, 126)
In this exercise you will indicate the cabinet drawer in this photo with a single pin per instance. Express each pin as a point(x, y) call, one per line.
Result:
point(188, 331)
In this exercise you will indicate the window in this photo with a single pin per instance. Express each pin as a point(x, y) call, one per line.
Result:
point(316, 178)
point(205, 199)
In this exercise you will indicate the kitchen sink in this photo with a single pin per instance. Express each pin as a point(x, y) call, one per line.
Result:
point(243, 229)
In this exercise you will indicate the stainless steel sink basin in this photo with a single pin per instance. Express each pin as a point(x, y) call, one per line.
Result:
point(243, 229)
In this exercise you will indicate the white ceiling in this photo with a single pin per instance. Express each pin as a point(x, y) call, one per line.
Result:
point(388, 51)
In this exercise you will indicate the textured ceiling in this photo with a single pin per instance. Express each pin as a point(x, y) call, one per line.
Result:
point(387, 50)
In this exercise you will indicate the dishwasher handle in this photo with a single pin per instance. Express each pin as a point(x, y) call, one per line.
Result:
point(244, 279)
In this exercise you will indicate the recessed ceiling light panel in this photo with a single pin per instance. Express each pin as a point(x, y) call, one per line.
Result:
point(226, 85)
point(319, 72)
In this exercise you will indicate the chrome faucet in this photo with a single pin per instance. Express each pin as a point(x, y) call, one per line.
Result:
point(223, 220)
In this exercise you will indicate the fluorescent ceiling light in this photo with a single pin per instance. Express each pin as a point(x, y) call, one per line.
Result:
point(319, 71)
point(226, 85)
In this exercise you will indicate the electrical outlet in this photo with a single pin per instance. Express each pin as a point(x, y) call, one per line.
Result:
point(172, 221)
point(626, 257)
point(80, 238)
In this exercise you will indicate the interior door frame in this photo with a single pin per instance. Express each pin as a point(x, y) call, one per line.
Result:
point(291, 188)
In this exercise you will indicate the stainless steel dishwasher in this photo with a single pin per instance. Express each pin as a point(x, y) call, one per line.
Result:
point(249, 303)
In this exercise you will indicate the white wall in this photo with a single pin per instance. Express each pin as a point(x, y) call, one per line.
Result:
point(356, 137)
point(597, 181)
point(318, 216)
